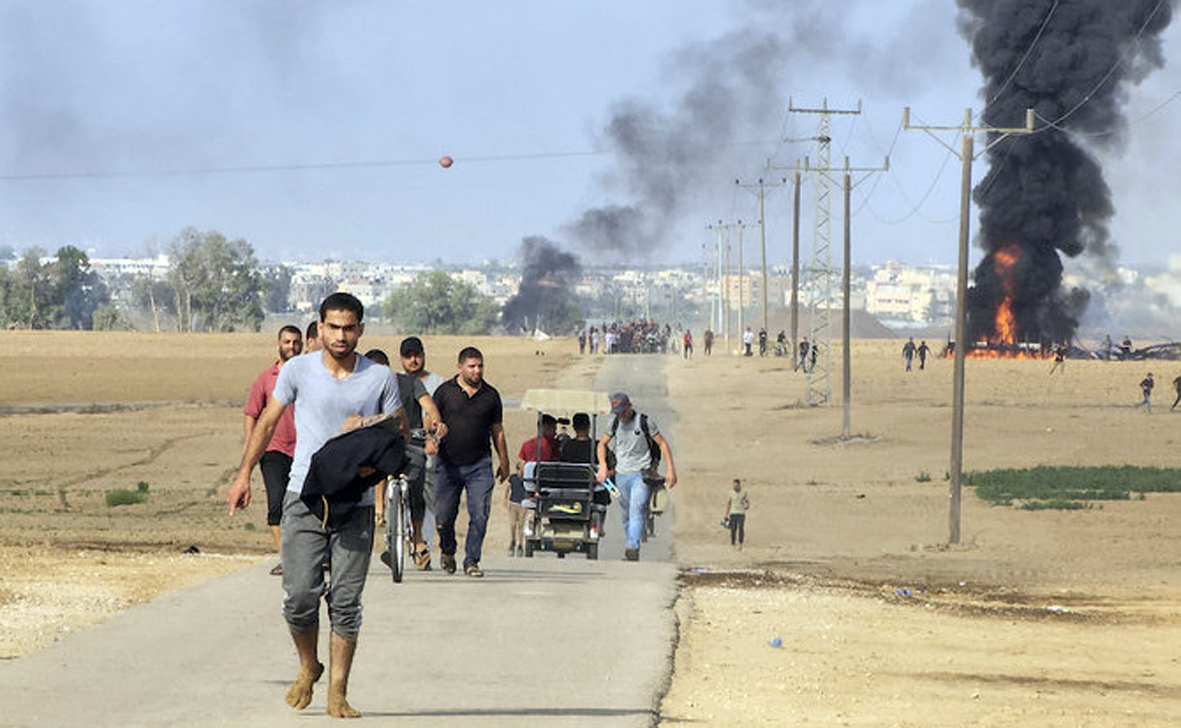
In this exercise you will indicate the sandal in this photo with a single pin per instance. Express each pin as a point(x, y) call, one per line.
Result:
point(473, 571)
point(422, 558)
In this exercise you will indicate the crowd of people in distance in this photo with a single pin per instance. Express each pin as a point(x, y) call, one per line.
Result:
point(629, 337)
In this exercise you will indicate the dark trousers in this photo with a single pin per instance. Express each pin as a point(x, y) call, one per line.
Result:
point(737, 528)
point(276, 468)
point(450, 482)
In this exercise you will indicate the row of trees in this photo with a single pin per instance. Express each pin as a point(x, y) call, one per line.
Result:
point(215, 284)
point(59, 293)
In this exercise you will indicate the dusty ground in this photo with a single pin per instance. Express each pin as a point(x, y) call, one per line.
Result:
point(1047, 618)
point(1036, 618)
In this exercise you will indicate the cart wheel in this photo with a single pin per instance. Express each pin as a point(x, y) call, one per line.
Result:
point(528, 549)
point(592, 552)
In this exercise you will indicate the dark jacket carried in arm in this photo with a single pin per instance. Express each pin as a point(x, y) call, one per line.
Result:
point(332, 488)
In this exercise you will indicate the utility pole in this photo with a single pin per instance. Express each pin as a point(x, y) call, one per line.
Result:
point(846, 285)
point(795, 265)
point(762, 239)
point(740, 226)
point(820, 276)
point(723, 322)
point(966, 154)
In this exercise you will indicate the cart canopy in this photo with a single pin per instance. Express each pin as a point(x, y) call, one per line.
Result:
point(566, 401)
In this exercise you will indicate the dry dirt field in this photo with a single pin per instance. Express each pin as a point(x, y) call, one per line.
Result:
point(1048, 618)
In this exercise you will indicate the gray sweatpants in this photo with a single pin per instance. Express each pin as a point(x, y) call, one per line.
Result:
point(304, 544)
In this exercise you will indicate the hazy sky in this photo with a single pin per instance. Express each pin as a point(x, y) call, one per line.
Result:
point(312, 129)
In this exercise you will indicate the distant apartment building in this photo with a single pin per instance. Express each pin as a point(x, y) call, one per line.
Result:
point(903, 295)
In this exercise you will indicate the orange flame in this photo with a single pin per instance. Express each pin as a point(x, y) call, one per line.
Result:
point(1003, 343)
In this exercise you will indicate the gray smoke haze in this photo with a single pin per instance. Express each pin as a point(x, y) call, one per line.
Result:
point(1045, 193)
point(77, 94)
point(728, 113)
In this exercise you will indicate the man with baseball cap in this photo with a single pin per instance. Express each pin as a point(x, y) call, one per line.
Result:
point(628, 435)
point(422, 495)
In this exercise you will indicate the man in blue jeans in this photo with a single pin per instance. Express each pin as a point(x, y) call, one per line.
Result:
point(627, 438)
point(474, 415)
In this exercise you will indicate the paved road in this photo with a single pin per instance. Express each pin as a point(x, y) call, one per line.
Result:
point(538, 642)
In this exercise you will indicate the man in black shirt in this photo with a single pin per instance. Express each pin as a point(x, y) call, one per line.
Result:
point(580, 448)
point(474, 415)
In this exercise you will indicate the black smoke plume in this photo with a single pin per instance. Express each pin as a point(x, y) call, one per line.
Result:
point(1071, 61)
point(545, 299)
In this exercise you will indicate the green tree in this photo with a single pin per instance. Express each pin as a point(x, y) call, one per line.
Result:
point(276, 282)
point(76, 290)
point(215, 282)
point(29, 301)
point(436, 303)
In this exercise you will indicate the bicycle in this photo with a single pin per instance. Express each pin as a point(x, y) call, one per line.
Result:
point(399, 531)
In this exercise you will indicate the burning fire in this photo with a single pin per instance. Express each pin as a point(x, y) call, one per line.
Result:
point(1003, 343)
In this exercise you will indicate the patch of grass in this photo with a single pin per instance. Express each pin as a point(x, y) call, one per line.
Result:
point(1070, 487)
point(125, 497)
point(1054, 504)
point(923, 477)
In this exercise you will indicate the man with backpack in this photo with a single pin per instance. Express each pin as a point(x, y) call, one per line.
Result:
point(639, 447)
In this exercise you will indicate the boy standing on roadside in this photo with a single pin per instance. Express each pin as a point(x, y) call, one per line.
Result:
point(737, 504)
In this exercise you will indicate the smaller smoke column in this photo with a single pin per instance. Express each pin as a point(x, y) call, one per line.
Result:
point(545, 298)
point(1071, 62)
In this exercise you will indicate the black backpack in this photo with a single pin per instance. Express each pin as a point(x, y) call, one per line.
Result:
point(653, 447)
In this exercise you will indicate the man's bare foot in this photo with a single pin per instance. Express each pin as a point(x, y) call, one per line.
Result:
point(300, 694)
point(338, 705)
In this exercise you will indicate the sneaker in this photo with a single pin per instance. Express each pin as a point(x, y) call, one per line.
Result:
point(448, 562)
point(473, 571)
point(521, 551)
point(631, 555)
point(512, 550)
point(277, 570)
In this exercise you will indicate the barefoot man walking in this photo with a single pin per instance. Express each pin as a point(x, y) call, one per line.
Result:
point(334, 388)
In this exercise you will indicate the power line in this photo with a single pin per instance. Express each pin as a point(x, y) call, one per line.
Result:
point(1024, 57)
point(1115, 66)
point(292, 167)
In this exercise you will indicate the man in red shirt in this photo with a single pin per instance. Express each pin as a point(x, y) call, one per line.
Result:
point(275, 463)
point(546, 446)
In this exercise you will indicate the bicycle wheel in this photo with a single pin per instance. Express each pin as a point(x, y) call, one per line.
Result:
point(397, 515)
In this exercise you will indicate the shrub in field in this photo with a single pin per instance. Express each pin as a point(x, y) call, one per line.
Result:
point(125, 497)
